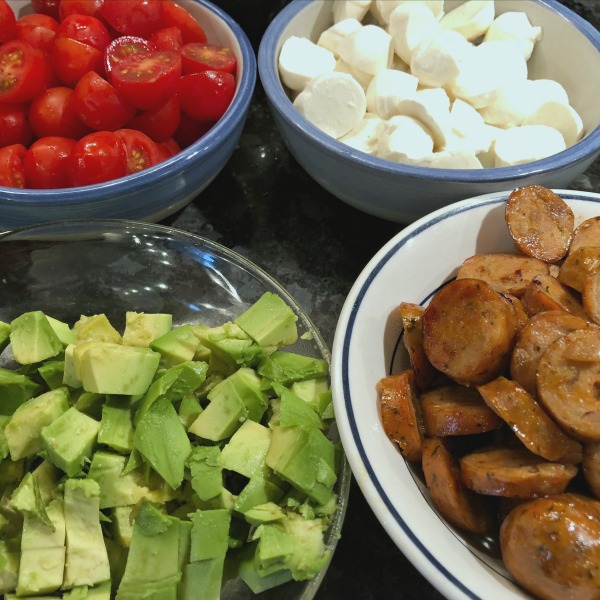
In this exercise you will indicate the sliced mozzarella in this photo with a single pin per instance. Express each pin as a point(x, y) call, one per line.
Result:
point(527, 143)
point(403, 138)
point(333, 102)
point(300, 60)
point(560, 116)
point(386, 7)
point(330, 38)
point(468, 128)
point(471, 19)
point(350, 9)
point(488, 158)
point(409, 24)
point(368, 49)
point(387, 88)
point(515, 27)
point(365, 136)
point(448, 159)
point(364, 79)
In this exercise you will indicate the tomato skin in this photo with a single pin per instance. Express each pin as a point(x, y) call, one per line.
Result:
point(71, 60)
point(167, 38)
point(79, 7)
point(47, 161)
point(167, 149)
point(46, 7)
point(190, 130)
point(206, 96)
point(24, 72)
point(14, 125)
point(121, 47)
point(51, 113)
point(160, 123)
point(207, 57)
point(97, 157)
point(8, 22)
point(85, 29)
point(141, 151)
point(175, 15)
point(37, 30)
point(133, 17)
point(12, 170)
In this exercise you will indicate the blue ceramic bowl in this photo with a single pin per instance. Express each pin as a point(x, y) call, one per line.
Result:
point(159, 191)
point(569, 53)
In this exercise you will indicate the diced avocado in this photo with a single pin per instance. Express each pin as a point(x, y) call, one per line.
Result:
point(63, 331)
point(15, 389)
point(122, 524)
point(69, 440)
point(86, 558)
point(210, 532)
point(177, 346)
point(275, 545)
point(249, 574)
point(108, 368)
point(163, 442)
point(70, 375)
point(264, 513)
point(202, 579)
point(220, 418)
point(270, 321)
point(259, 490)
point(52, 372)
point(11, 471)
point(90, 404)
point(294, 411)
point(189, 409)
point(185, 545)
point(245, 384)
point(287, 367)
point(4, 451)
point(116, 426)
point(27, 498)
point(42, 544)
point(315, 392)
point(246, 450)
point(206, 471)
point(96, 328)
point(33, 339)
point(4, 335)
point(143, 328)
point(101, 591)
point(225, 499)
point(10, 557)
point(23, 431)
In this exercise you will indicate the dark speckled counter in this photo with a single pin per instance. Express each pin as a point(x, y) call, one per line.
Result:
point(264, 206)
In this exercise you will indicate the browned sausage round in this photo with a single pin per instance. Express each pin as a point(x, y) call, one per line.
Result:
point(587, 233)
point(578, 265)
point(551, 546)
point(590, 295)
point(547, 293)
point(591, 466)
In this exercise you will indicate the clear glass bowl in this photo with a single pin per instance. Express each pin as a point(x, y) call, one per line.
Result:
point(71, 268)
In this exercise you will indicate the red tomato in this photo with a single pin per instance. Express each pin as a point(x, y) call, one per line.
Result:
point(85, 29)
point(97, 157)
point(98, 104)
point(133, 17)
point(78, 7)
point(174, 14)
point(46, 7)
point(52, 114)
point(160, 123)
point(71, 60)
point(167, 38)
point(147, 79)
point(14, 126)
point(167, 149)
point(37, 30)
point(190, 130)
point(47, 163)
point(8, 22)
point(12, 171)
point(24, 72)
point(123, 46)
point(207, 57)
point(140, 149)
point(205, 96)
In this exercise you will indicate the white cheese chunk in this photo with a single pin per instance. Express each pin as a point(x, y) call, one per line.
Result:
point(350, 9)
point(514, 26)
point(368, 49)
point(300, 60)
point(471, 19)
point(560, 116)
point(468, 128)
point(330, 38)
point(527, 143)
point(365, 136)
point(364, 79)
point(403, 138)
point(386, 7)
point(387, 88)
point(448, 159)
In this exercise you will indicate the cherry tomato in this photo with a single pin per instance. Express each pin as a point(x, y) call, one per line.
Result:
point(78, 7)
point(140, 149)
point(123, 46)
point(47, 163)
point(51, 113)
point(206, 95)
point(159, 124)
point(97, 157)
point(71, 60)
point(8, 22)
point(207, 57)
point(133, 17)
point(46, 7)
point(12, 171)
point(190, 130)
point(174, 14)
point(37, 30)
point(24, 72)
point(99, 105)
point(167, 149)
point(147, 79)
point(85, 29)
point(14, 125)
point(167, 38)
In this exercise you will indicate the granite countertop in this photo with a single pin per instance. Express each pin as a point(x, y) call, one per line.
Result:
point(264, 206)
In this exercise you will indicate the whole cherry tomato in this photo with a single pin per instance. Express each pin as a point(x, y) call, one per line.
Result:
point(133, 17)
point(85, 29)
point(174, 14)
point(97, 157)
point(14, 125)
point(205, 96)
point(47, 162)
point(78, 7)
point(52, 113)
point(37, 30)
point(12, 171)
point(71, 60)
point(167, 38)
point(8, 22)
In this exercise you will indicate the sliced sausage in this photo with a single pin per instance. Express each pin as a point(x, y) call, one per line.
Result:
point(547, 293)
point(578, 265)
point(400, 413)
point(506, 273)
point(456, 410)
point(590, 295)
point(539, 332)
point(516, 306)
point(530, 423)
point(513, 472)
point(469, 331)
point(540, 222)
point(551, 546)
point(568, 379)
point(587, 233)
point(591, 466)
point(460, 506)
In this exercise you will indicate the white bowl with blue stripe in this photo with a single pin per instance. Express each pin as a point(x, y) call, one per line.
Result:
point(411, 267)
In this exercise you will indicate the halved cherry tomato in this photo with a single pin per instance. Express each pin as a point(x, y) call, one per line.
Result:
point(85, 29)
point(160, 123)
point(167, 38)
point(14, 126)
point(99, 105)
point(207, 57)
point(97, 157)
point(123, 46)
point(190, 130)
point(79, 7)
point(8, 22)
point(174, 14)
point(167, 149)
point(206, 96)
point(12, 171)
point(133, 17)
point(140, 149)
point(37, 30)
point(147, 79)
point(24, 71)
point(46, 7)
point(47, 163)
point(51, 113)
point(71, 60)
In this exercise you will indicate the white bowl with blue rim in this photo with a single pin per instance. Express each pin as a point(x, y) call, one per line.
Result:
point(569, 52)
point(411, 267)
point(161, 190)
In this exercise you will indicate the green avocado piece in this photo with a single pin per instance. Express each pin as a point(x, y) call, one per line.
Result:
point(294, 411)
point(10, 557)
point(4, 335)
point(189, 409)
point(63, 331)
point(210, 534)
point(95, 328)
point(70, 375)
point(264, 513)
point(143, 328)
point(206, 471)
point(177, 346)
point(122, 524)
point(248, 572)
point(52, 372)
point(90, 404)
point(260, 489)
point(245, 452)
point(33, 339)
point(15, 388)
point(116, 426)
point(287, 367)
point(315, 392)
point(202, 579)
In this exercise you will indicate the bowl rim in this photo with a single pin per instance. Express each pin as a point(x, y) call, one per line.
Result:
point(282, 105)
point(397, 527)
point(211, 140)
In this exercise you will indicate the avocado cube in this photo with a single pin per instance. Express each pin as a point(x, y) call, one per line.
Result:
point(15, 389)
point(202, 580)
point(287, 367)
point(246, 385)
point(177, 346)
point(220, 418)
point(143, 328)
point(33, 339)
point(70, 375)
point(259, 490)
point(116, 426)
point(275, 544)
point(206, 471)
point(210, 534)
point(294, 411)
point(122, 524)
point(315, 392)
point(189, 409)
point(4, 335)
point(23, 431)
point(264, 513)
point(63, 331)
point(96, 328)
point(246, 450)
point(69, 440)
point(52, 372)
point(224, 499)
point(10, 557)
point(90, 404)
point(256, 582)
